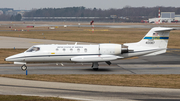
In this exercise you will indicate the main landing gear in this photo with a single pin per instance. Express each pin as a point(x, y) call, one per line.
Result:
point(95, 65)
point(24, 67)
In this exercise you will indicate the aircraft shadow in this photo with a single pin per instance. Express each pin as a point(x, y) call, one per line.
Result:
point(99, 70)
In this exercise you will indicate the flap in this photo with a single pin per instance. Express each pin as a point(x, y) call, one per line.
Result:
point(95, 58)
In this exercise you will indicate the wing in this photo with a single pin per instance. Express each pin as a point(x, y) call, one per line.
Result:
point(95, 58)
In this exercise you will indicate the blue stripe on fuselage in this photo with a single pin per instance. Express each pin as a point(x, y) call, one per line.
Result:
point(158, 38)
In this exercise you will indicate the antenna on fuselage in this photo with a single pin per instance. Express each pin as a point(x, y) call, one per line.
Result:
point(75, 43)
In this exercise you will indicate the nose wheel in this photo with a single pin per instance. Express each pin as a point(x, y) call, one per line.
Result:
point(24, 67)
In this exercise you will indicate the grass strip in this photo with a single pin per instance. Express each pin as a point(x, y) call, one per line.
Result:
point(159, 81)
point(100, 35)
point(29, 98)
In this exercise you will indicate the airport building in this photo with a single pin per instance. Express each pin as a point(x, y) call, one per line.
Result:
point(177, 18)
point(166, 17)
point(170, 15)
point(1, 12)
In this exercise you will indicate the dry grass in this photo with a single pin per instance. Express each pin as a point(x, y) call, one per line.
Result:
point(29, 98)
point(100, 35)
point(8, 52)
point(76, 34)
point(160, 81)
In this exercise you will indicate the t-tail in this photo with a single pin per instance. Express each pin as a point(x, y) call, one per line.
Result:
point(153, 43)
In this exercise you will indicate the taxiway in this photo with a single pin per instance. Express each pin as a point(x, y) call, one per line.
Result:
point(85, 92)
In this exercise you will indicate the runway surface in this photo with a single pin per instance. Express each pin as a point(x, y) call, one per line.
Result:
point(86, 92)
point(104, 25)
point(86, 69)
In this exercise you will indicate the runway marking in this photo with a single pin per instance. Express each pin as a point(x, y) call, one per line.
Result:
point(38, 95)
point(32, 95)
point(96, 30)
point(82, 99)
point(35, 42)
point(71, 98)
point(126, 69)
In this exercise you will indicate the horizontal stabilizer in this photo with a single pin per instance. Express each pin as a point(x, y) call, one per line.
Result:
point(164, 29)
point(95, 58)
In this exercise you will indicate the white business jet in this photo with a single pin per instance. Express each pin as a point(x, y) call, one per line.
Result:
point(154, 43)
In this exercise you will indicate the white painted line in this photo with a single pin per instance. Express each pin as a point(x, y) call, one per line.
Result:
point(82, 99)
point(71, 98)
point(28, 95)
point(36, 95)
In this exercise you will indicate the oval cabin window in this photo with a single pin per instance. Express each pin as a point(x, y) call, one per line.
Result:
point(85, 50)
point(78, 50)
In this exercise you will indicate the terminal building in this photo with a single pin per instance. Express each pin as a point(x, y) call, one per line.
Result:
point(177, 18)
point(168, 15)
point(165, 17)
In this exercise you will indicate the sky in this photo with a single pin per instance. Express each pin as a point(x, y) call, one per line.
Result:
point(103, 4)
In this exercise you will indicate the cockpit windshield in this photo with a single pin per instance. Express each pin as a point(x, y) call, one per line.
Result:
point(33, 49)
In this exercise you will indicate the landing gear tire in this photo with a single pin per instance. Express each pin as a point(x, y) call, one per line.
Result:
point(24, 67)
point(95, 66)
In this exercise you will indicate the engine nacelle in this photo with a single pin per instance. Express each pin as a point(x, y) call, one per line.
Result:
point(110, 48)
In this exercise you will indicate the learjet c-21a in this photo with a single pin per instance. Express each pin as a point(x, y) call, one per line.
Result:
point(153, 43)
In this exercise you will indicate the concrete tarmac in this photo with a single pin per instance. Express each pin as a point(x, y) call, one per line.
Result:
point(105, 25)
point(77, 69)
point(86, 92)
point(86, 69)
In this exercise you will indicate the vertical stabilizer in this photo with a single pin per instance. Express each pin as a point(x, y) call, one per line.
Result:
point(155, 41)
point(157, 37)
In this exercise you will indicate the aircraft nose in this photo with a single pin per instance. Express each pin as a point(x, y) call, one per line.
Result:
point(17, 57)
point(8, 58)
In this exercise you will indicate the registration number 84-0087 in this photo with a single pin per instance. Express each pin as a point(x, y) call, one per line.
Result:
point(150, 42)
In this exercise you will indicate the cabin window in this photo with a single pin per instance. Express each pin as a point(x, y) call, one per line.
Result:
point(64, 49)
point(33, 49)
point(85, 49)
point(78, 50)
point(71, 49)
